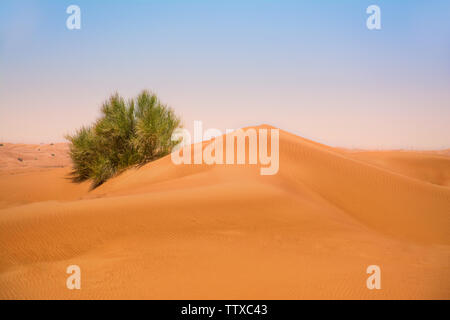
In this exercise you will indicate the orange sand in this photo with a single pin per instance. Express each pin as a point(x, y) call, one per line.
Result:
point(226, 232)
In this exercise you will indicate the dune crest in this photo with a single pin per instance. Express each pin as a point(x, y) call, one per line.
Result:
point(225, 231)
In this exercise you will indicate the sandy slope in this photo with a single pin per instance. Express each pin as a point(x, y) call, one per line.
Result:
point(16, 158)
point(433, 167)
point(41, 174)
point(166, 231)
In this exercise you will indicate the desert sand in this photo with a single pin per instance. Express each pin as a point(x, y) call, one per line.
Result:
point(163, 231)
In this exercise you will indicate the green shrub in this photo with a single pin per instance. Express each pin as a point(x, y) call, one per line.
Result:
point(127, 134)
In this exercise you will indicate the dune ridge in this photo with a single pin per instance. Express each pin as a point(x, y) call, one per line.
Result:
point(211, 232)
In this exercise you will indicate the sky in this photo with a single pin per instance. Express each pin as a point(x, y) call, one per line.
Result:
point(312, 68)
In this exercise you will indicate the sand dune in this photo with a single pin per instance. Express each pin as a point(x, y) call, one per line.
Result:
point(212, 232)
point(426, 166)
point(16, 158)
point(41, 174)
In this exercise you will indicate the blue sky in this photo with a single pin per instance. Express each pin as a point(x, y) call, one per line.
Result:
point(309, 67)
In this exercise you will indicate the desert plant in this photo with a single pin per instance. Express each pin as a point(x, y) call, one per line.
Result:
point(127, 134)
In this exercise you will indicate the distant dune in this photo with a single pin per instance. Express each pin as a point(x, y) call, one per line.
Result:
point(225, 232)
point(36, 173)
point(15, 158)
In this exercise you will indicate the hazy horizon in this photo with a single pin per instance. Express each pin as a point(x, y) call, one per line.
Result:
point(312, 69)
